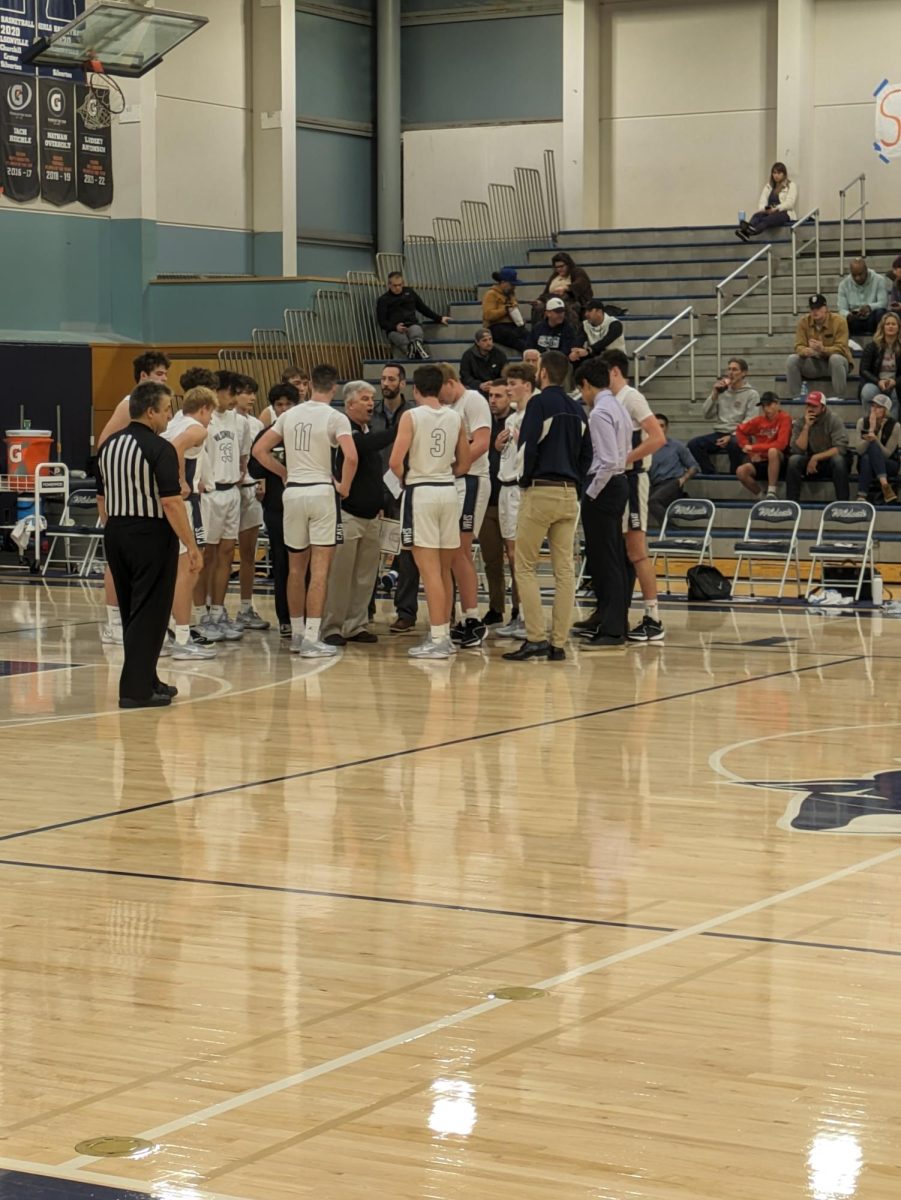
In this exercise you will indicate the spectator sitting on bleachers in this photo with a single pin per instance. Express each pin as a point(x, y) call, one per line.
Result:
point(397, 313)
point(730, 402)
point(671, 468)
point(568, 283)
point(500, 311)
point(818, 450)
point(600, 332)
point(877, 446)
point(880, 363)
point(776, 205)
point(555, 332)
point(821, 349)
point(764, 440)
point(482, 363)
point(862, 297)
point(894, 279)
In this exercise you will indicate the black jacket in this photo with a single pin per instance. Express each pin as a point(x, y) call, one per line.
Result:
point(275, 489)
point(494, 457)
point(365, 497)
point(871, 364)
point(477, 368)
point(558, 337)
point(401, 309)
point(554, 435)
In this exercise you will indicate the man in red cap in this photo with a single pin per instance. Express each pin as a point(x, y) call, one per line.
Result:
point(818, 450)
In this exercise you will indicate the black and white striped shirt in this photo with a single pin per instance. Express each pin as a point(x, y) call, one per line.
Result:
point(138, 469)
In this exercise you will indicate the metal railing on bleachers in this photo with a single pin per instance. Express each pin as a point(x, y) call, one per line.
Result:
point(813, 215)
point(688, 314)
point(763, 252)
point(861, 211)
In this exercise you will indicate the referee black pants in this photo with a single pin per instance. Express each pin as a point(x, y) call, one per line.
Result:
point(602, 524)
point(143, 560)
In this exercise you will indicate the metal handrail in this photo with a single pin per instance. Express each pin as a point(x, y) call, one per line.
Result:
point(688, 348)
point(796, 250)
point(766, 251)
point(861, 209)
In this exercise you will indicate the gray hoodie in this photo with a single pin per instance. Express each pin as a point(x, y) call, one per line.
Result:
point(728, 409)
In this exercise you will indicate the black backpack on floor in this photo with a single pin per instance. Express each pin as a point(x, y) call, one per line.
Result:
point(707, 583)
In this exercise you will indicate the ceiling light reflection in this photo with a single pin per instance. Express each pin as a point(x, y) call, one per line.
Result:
point(833, 1162)
point(453, 1111)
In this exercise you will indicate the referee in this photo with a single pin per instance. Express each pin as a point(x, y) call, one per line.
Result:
point(139, 494)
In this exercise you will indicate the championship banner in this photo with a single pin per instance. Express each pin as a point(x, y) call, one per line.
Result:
point(19, 177)
point(17, 26)
point(56, 104)
point(50, 17)
point(93, 153)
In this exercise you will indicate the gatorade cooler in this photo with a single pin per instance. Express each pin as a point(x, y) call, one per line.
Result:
point(25, 450)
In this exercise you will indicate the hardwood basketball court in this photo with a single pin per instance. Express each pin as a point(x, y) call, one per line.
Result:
point(262, 929)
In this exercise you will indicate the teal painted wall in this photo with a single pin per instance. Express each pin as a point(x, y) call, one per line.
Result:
point(221, 312)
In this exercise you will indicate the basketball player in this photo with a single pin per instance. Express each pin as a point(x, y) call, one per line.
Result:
point(520, 379)
point(298, 378)
point(150, 367)
point(312, 506)
point(222, 467)
point(187, 431)
point(473, 493)
point(647, 439)
point(432, 438)
point(251, 491)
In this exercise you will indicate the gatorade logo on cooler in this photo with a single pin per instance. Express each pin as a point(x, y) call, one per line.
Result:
point(15, 453)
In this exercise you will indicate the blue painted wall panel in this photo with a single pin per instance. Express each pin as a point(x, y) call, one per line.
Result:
point(334, 183)
point(189, 249)
point(335, 69)
point(483, 71)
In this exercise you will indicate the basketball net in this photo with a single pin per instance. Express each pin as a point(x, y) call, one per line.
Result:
point(101, 103)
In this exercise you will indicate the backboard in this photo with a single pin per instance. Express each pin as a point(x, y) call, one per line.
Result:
point(123, 37)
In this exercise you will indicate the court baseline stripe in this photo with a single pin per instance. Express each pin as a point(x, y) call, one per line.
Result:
point(395, 754)
point(114, 1182)
point(437, 905)
point(462, 1016)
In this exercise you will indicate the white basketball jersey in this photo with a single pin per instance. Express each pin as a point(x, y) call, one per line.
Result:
point(473, 408)
point(310, 432)
point(433, 448)
point(509, 469)
point(179, 424)
point(222, 449)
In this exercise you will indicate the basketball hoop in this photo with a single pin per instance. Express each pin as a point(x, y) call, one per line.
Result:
point(100, 104)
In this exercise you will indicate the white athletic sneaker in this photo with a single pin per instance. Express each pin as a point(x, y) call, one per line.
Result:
point(513, 629)
point(233, 632)
point(430, 649)
point(111, 635)
point(193, 650)
point(311, 649)
point(166, 648)
point(250, 620)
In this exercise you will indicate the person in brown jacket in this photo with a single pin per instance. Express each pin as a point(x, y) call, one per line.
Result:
point(821, 349)
point(571, 284)
point(500, 310)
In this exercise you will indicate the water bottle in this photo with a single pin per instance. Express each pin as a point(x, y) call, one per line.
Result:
point(805, 388)
point(877, 591)
point(742, 216)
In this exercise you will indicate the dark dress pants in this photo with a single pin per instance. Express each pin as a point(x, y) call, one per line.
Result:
point(278, 559)
point(143, 559)
point(602, 524)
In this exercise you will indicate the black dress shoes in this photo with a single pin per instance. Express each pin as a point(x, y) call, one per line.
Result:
point(529, 650)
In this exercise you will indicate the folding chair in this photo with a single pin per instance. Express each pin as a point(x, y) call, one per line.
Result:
point(771, 533)
point(78, 540)
point(686, 532)
point(855, 520)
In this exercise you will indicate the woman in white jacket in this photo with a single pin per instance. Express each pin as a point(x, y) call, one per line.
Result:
point(775, 207)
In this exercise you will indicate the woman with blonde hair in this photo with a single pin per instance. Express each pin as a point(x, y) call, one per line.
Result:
point(880, 363)
point(776, 205)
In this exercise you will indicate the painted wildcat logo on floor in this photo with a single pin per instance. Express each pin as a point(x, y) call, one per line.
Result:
point(868, 806)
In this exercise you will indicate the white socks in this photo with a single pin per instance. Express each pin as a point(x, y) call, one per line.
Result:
point(651, 610)
point(297, 627)
point(246, 605)
point(471, 614)
point(182, 634)
point(113, 616)
point(439, 633)
point(314, 624)
point(217, 612)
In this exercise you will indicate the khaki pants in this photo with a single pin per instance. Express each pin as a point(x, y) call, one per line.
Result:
point(352, 577)
point(552, 513)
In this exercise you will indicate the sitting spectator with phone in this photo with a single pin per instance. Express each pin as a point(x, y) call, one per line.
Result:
point(600, 331)
point(877, 445)
point(819, 450)
point(776, 205)
point(501, 313)
point(880, 364)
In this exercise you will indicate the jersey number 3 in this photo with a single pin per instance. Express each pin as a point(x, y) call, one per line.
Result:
point(439, 444)
point(303, 436)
